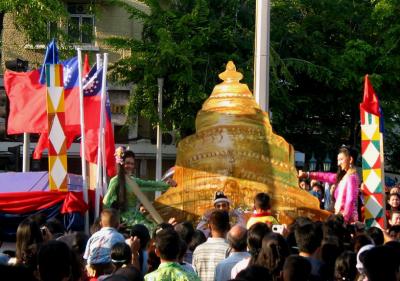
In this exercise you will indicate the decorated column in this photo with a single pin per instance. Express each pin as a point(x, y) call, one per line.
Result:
point(372, 158)
point(56, 122)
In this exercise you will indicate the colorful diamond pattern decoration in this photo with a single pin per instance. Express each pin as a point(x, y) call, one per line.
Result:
point(374, 200)
point(56, 122)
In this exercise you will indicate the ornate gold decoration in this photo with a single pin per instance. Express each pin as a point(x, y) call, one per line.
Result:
point(235, 150)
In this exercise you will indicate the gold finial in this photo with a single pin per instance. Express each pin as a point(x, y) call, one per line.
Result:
point(230, 74)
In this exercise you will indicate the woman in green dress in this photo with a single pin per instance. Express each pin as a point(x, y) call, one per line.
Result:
point(121, 197)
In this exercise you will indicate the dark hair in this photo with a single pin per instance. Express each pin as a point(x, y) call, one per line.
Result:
point(307, 238)
point(262, 201)
point(360, 241)
point(56, 262)
point(29, 238)
point(273, 253)
point(345, 266)
point(55, 227)
point(167, 244)
point(219, 220)
point(185, 230)
point(255, 236)
point(330, 250)
point(376, 234)
point(121, 254)
point(393, 194)
point(296, 268)
point(238, 242)
point(160, 226)
point(130, 273)
point(16, 272)
point(121, 189)
point(254, 273)
point(198, 238)
point(334, 226)
point(395, 228)
point(381, 263)
point(349, 152)
point(76, 241)
point(142, 232)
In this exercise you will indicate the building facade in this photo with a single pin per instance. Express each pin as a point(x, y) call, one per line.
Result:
point(88, 28)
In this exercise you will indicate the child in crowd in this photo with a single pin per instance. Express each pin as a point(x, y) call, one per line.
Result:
point(262, 212)
point(394, 201)
point(98, 248)
point(304, 184)
point(318, 191)
point(393, 205)
point(394, 218)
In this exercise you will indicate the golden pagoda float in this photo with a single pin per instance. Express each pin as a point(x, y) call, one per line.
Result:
point(235, 150)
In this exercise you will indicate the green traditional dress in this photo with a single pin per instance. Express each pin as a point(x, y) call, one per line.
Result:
point(132, 215)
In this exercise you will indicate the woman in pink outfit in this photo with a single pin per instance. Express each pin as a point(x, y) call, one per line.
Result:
point(346, 181)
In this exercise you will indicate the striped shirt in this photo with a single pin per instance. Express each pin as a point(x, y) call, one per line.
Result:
point(207, 255)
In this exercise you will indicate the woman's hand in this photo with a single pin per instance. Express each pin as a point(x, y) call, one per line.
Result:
point(302, 174)
point(171, 182)
point(172, 221)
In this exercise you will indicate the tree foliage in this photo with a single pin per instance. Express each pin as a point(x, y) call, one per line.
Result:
point(329, 46)
point(188, 43)
point(42, 20)
point(32, 16)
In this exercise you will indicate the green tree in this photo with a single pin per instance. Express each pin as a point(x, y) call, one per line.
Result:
point(328, 47)
point(320, 52)
point(188, 43)
point(33, 16)
point(42, 20)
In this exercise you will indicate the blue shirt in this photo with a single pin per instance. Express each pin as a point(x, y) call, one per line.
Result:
point(98, 247)
point(224, 268)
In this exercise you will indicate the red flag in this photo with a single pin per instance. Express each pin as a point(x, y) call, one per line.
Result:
point(28, 112)
point(27, 102)
point(86, 66)
point(370, 102)
point(92, 104)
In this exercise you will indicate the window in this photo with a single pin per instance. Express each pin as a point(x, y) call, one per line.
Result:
point(80, 28)
point(81, 23)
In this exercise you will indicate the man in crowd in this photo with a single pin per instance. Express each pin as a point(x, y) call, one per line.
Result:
point(167, 249)
point(221, 202)
point(207, 255)
point(237, 239)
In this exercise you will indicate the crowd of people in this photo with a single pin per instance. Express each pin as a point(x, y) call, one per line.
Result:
point(305, 250)
point(125, 245)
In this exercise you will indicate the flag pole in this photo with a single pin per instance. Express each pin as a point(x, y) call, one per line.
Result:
point(26, 153)
point(82, 121)
point(100, 151)
point(160, 82)
point(261, 56)
point(99, 63)
point(99, 154)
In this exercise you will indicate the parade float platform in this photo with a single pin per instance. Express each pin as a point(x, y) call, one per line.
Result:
point(26, 194)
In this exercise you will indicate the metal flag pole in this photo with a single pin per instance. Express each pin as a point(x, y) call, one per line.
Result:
point(99, 63)
point(26, 153)
point(261, 57)
point(101, 152)
point(160, 82)
point(82, 121)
